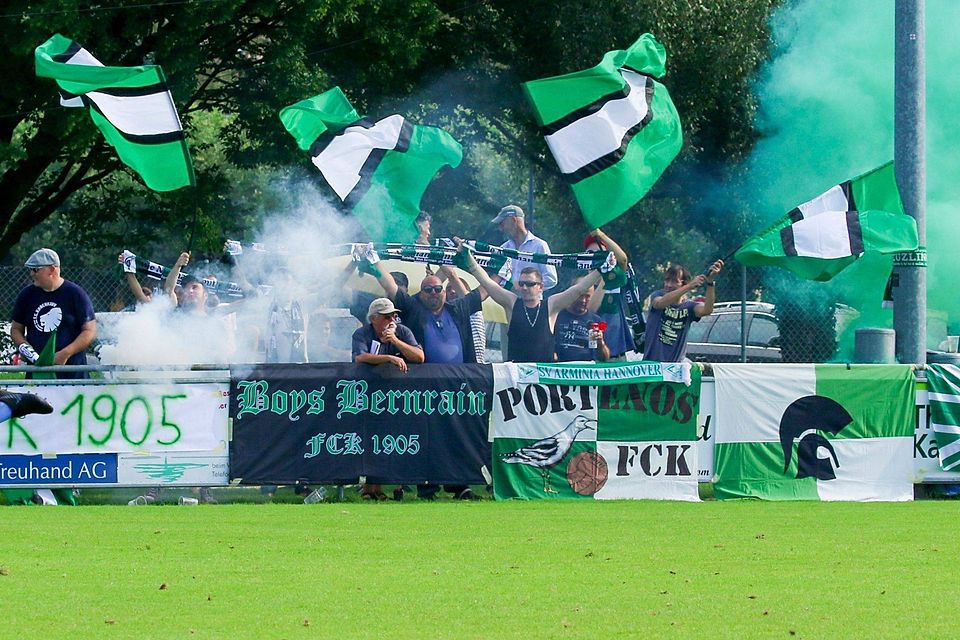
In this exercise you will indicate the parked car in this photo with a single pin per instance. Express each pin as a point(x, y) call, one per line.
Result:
point(716, 338)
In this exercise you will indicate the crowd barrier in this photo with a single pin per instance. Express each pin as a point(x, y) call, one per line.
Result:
point(585, 431)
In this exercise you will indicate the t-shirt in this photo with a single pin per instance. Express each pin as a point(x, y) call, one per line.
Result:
point(441, 339)
point(572, 336)
point(365, 341)
point(64, 310)
point(667, 329)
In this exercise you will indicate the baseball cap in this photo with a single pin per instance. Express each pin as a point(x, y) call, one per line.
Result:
point(509, 211)
point(381, 307)
point(42, 258)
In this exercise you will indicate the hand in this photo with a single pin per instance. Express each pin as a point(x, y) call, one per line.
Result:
point(389, 334)
point(596, 334)
point(399, 363)
point(697, 281)
point(714, 270)
point(184, 259)
point(61, 357)
point(463, 248)
point(429, 270)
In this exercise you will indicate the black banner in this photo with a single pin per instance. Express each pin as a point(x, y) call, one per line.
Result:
point(333, 423)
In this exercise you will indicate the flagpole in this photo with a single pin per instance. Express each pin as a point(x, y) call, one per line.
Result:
point(910, 277)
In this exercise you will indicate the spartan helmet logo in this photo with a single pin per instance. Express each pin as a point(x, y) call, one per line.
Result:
point(801, 420)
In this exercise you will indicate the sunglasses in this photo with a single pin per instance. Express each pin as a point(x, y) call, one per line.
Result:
point(528, 283)
point(36, 269)
point(432, 288)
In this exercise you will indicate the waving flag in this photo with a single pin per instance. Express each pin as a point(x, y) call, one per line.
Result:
point(379, 170)
point(612, 129)
point(131, 106)
point(944, 381)
point(819, 238)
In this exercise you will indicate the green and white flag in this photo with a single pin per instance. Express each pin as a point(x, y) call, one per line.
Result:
point(576, 439)
point(131, 106)
point(379, 170)
point(944, 398)
point(814, 432)
point(821, 237)
point(612, 129)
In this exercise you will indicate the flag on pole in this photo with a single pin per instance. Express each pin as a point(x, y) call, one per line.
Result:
point(612, 129)
point(625, 430)
point(131, 106)
point(944, 398)
point(814, 432)
point(379, 170)
point(821, 237)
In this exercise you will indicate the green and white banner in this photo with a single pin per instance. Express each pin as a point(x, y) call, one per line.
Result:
point(814, 432)
point(944, 398)
point(578, 439)
point(600, 373)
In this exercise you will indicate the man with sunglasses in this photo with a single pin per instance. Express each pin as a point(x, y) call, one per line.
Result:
point(442, 326)
point(531, 322)
point(671, 313)
point(53, 307)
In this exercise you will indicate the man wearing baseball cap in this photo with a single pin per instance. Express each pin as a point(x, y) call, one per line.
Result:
point(53, 308)
point(511, 222)
point(383, 341)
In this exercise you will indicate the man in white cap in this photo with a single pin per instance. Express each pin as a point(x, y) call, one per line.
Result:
point(511, 222)
point(383, 340)
point(53, 306)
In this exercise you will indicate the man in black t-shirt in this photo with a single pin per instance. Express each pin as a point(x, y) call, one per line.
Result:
point(53, 306)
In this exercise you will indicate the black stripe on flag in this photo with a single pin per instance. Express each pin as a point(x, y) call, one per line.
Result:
point(154, 138)
point(796, 215)
point(847, 188)
point(71, 51)
point(373, 161)
point(605, 162)
point(585, 112)
point(854, 232)
point(134, 92)
point(786, 238)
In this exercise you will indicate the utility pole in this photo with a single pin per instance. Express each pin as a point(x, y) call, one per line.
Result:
point(910, 268)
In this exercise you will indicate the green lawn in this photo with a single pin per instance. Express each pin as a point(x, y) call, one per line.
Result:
point(481, 570)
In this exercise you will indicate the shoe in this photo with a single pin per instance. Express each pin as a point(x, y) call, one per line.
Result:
point(467, 494)
point(302, 489)
point(22, 404)
point(206, 497)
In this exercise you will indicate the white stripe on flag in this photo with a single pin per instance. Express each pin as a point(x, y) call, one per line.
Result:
point(139, 115)
point(751, 398)
point(948, 451)
point(82, 57)
point(943, 397)
point(341, 161)
point(871, 469)
point(594, 136)
point(945, 428)
point(823, 236)
point(831, 200)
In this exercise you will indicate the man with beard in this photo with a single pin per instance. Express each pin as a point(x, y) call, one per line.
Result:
point(576, 327)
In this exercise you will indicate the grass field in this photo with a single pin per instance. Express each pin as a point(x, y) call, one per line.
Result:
point(481, 570)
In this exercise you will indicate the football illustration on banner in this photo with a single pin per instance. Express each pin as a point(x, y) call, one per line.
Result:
point(587, 473)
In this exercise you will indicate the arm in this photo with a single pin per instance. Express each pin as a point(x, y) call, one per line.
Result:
point(133, 283)
point(705, 308)
point(389, 284)
point(17, 333)
point(369, 358)
point(87, 333)
point(450, 273)
point(564, 299)
point(603, 351)
point(597, 298)
point(618, 252)
point(170, 284)
point(500, 295)
point(674, 297)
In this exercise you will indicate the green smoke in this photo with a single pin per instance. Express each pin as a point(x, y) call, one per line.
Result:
point(827, 114)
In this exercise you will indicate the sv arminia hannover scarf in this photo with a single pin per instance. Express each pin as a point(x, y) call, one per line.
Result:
point(379, 170)
point(131, 106)
point(821, 237)
point(612, 129)
point(944, 398)
point(814, 432)
point(595, 432)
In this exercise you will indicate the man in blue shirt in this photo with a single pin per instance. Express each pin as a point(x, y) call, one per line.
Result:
point(53, 306)
point(575, 329)
point(671, 313)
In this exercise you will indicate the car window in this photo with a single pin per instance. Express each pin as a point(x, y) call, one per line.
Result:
point(726, 330)
point(762, 331)
point(699, 330)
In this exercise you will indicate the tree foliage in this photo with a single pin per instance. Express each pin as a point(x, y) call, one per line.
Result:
point(233, 64)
